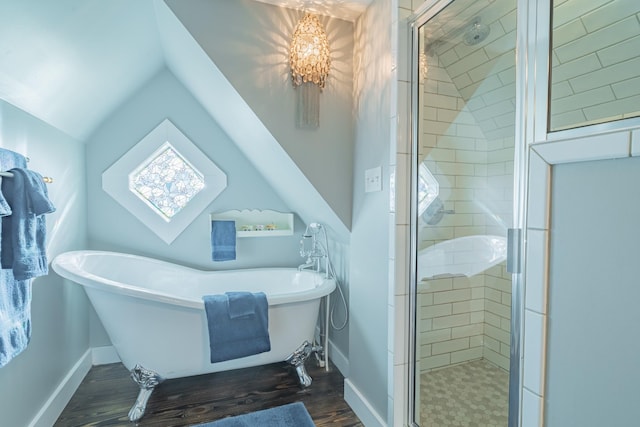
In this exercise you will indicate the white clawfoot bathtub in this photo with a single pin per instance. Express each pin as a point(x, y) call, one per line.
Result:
point(154, 314)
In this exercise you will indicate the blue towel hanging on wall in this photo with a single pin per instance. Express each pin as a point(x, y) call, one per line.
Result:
point(23, 246)
point(15, 295)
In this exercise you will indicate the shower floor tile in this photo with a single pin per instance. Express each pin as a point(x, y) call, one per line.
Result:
point(474, 394)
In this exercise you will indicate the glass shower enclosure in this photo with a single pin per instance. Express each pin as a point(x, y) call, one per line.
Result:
point(464, 132)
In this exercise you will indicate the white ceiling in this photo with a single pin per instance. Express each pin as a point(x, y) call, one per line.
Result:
point(343, 9)
point(71, 63)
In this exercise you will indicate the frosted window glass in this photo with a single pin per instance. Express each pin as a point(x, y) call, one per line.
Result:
point(166, 182)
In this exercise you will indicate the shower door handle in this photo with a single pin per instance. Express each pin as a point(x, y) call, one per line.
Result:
point(514, 246)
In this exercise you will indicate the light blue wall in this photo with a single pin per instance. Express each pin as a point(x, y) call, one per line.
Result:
point(249, 41)
point(370, 238)
point(593, 341)
point(60, 334)
point(112, 227)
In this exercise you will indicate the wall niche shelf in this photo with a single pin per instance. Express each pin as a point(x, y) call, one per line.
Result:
point(258, 223)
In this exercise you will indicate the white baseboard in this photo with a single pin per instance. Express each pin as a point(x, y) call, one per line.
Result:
point(53, 407)
point(339, 359)
point(104, 355)
point(361, 406)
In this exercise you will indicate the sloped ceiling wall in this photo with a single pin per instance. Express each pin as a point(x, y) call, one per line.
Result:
point(71, 63)
point(248, 42)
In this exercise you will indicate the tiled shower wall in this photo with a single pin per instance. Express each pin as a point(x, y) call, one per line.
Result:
point(467, 143)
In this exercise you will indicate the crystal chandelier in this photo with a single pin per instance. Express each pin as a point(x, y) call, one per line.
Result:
point(309, 54)
point(310, 60)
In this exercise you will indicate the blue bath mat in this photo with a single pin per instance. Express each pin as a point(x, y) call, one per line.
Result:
point(291, 415)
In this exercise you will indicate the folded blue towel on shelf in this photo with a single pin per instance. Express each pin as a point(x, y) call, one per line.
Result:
point(23, 247)
point(223, 240)
point(240, 336)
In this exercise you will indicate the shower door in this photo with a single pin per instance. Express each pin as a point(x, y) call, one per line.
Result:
point(464, 102)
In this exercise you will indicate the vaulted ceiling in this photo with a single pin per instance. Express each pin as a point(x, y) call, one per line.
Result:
point(71, 62)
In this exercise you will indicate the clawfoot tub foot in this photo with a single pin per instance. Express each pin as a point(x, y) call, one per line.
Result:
point(147, 381)
point(297, 359)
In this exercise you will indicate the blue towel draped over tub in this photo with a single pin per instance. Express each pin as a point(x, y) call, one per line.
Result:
point(23, 201)
point(238, 325)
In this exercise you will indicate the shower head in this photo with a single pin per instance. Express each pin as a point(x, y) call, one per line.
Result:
point(476, 33)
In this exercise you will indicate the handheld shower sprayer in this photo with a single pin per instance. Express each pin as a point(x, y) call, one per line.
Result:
point(320, 251)
point(312, 230)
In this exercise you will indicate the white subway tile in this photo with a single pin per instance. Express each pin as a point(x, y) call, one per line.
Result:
point(568, 32)
point(492, 319)
point(466, 355)
point(477, 316)
point(451, 321)
point(531, 409)
point(467, 63)
point(497, 308)
point(434, 336)
point(492, 343)
point(607, 75)
point(467, 306)
point(402, 188)
point(613, 109)
point(534, 351)
point(607, 14)
point(579, 66)
point(401, 383)
point(496, 358)
point(497, 333)
point(582, 100)
point(401, 125)
point(597, 40)
point(619, 52)
point(435, 361)
point(476, 341)
point(570, 10)
point(437, 310)
point(438, 285)
point(597, 147)
point(467, 330)
point(452, 296)
point(401, 343)
point(635, 143)
point(450, 346)
point(628, 88)
point(536, 271)
point(539, 191)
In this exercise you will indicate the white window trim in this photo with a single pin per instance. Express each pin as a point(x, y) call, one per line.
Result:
point(115, 181)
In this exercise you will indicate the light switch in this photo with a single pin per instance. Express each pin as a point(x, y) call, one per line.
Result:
point(373, 180)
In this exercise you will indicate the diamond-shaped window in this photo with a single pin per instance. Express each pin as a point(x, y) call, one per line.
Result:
point(166, 182)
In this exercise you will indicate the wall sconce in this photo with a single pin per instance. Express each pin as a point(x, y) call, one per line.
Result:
point(310, 60)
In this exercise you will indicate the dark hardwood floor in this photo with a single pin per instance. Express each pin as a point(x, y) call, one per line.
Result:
point(107, 393)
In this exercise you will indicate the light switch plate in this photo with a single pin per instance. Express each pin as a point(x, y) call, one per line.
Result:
point(373, 180)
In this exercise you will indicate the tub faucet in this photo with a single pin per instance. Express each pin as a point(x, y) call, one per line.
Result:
point(308, 264)
point(316, 253)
